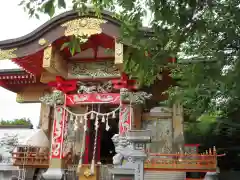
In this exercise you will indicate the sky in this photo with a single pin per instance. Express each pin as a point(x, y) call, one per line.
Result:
point(15, 23)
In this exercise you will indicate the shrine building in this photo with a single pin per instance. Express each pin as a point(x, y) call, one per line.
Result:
point(86, 98)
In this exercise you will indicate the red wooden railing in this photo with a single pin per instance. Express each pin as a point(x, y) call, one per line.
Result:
point(205, 162)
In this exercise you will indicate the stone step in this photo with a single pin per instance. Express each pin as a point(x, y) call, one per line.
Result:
point(164, 175)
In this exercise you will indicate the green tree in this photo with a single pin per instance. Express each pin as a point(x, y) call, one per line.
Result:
point(21, 121)
point(192, 31)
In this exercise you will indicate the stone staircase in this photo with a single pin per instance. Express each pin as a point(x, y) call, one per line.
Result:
point(164, 175)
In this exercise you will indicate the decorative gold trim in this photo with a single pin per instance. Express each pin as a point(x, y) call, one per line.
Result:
point(7, 54)
point(19, 98)
point(119, 55)
point(42, 41)
point(87, 173)
point(83, 27)
point(49, 62)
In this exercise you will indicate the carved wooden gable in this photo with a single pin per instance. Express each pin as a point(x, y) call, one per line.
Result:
point(89, 70)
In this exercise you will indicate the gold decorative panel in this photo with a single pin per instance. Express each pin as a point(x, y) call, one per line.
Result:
point(83, 27)
point(7, 54)
point(104, 69)
point(53, 62)
point(48, 60)
point(119, 54)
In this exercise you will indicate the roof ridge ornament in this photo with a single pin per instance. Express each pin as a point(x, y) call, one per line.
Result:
point(83, 27)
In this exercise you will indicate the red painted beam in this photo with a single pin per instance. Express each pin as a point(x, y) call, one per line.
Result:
point(95, 98)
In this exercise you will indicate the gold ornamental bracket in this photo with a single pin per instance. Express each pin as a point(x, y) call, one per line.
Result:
point(53, 62)
point(119, 55)
point(8, 53)
point(83, 27)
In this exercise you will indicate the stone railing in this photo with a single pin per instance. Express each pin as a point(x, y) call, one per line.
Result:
point(104, 172)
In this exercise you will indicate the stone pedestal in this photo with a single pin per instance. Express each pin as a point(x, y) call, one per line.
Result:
point(131, 153)
point(53, 174)
point(121, 173)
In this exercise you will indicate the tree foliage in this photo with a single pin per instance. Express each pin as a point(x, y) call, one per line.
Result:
point(21, 121)
point(202, 33)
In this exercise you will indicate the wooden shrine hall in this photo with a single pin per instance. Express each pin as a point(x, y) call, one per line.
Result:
point(86, 98)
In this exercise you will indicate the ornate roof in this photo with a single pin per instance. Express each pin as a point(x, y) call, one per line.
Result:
point(58, 27)
point(28, 51)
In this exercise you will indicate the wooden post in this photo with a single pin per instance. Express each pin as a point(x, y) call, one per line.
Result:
point(118, 55)
point(177, 119)
point(137, 117)
point(45, 119)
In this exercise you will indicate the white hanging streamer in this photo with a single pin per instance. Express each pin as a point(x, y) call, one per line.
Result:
point(107, 125)
point(113, 113)
point(95, 143)
point(79, 118)
point(83, 143)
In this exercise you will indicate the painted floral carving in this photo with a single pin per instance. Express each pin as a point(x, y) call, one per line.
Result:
point(134, 97)
point(54, 98)
point(104, 69)
point(88, 88)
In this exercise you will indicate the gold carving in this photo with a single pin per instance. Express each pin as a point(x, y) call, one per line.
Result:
point(87, 173)
point(19, 98)
point(42, 41)
point(105, 69)
point(48, 61)
point(46, 77)
point(8, 54)
point(83, 26)
point(119, 55)
point(53, 62)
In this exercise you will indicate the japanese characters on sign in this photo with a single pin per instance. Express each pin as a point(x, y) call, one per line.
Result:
point(98, 98)
point(58, 132)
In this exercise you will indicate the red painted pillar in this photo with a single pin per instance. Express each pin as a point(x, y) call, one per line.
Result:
point(58, 134)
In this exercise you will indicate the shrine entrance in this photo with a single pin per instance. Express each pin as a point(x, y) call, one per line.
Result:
point(105, 146)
